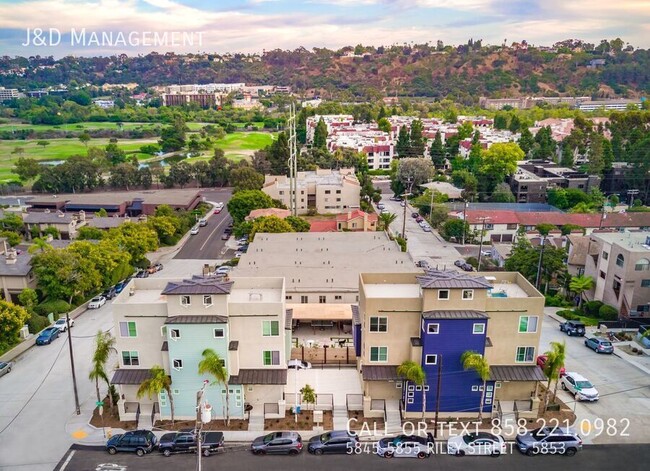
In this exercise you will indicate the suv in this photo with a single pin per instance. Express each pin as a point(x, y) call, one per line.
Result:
point(336, 441)
point(138, 441)
point(183, 442)
point(550, 441)
point(599, 345)
point(573, 328)
point(579, 386)
point(277, 443)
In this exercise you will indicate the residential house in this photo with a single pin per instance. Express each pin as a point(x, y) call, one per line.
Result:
point(577, 249)
point(432, 319)
point(357, 220)
point(66, 223)
point(16, 271)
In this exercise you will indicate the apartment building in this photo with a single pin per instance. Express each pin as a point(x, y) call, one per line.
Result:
point(16, 271)
point(169, 323)
point(324, 191)
point(619, 263)
point(8, 93)
point(67, 224)
point(204, 100)
point(432, 319)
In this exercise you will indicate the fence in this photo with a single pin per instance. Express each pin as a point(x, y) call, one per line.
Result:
point(354, 401)
point(325, 355)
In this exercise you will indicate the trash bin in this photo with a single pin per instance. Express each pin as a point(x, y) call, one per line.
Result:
point(297, 409)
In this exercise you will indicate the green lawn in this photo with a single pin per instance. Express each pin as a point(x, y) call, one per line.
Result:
point(244, 141)
point(77, 126)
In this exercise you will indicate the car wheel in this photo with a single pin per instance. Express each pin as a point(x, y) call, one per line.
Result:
point(112, 451)
point(318, 451)
point(9, 370)
point(139, 452)
point(422, 455)
point(570, 452)
point(530, 452)
point(206, 452)
point(576, 396)
point(563, 386)
point(495, 454)
point(167, 452)
point(460, 453)
point(293, 452)
point(388, 454)
point(568, 332)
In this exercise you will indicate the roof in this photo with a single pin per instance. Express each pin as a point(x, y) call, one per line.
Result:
point(459, 314)
point(579, 249)
point(47, 218)
point(131, 376)
point(326, 225)
point(380, 373)
point(357, 213)
point(434, 279)
point(260, 376)
point(492, 217)
point(445, 188)
point(516, 373)
point(324, 312)
point(22, 266)
point(277, 212)
point(172, 197)
point(198, 285)
point(107, 222)
point(356, 316)
point(197, 320)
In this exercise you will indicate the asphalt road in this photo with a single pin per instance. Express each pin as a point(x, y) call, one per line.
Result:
point(207, 244)
point(36, 398)
point(592, 458)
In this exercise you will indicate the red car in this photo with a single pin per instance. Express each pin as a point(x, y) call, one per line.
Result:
point(541, 361)
point(217, 211)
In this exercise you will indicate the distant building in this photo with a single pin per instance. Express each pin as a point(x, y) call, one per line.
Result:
point(8, 93)
point(66, 223)
point(204, 100)
point(357, 220)
point(104, 104)
point(614, 105)
point(16, 271)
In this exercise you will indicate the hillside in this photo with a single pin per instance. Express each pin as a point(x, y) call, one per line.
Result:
point(463, 73)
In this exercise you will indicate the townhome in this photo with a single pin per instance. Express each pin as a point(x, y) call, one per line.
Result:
point(66, 223)
point(432, 319)
point(170, 323)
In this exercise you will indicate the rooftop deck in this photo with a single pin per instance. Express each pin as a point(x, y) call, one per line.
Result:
point(396, 290)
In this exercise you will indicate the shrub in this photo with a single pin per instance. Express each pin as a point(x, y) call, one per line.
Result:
point(473, 261)
point(402, 243)
point(591, 308)
point(55, 306)
point(37, 323)
point(568, 314)
point(556, 300)
point(608, 313)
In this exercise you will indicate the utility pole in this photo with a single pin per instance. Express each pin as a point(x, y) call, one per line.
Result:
point(199, 424)
point(464, 219)
point(539, 264)
point(480, 247)
point(438, 386)
point(405, 195)
point(293, 161)
point(74, 376)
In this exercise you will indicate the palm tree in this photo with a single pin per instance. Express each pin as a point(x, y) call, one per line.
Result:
point(475, 361)
point(413, 372)
point(157, 382)
point(386, 219)
point(104, 346)
point(214, 365)
point(558, 354)
point(579, 284)
point(39, 244)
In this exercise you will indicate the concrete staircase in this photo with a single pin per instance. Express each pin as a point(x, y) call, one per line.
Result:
point(393, 417)
point(144, 421)
point(256, 423)
point(340, 417)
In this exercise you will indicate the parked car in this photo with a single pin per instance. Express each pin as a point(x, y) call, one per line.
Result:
point(579, 386)
point(426, 228)
point(203, 222)
point(46, 336)
point(142, 274)
point(156, 267)
point(238, 254)
point(476, 444)
point(97, 302)
point(298, 364)
point(467, 267)
point(459, 263)
point(194, 230)
point(419, 219)
point(415, 215)
point(422, 264)
point(5, 367)
point(573, 328)
point(402, 204)
point(62, 325)
point(406, 446)
point(288, 443)
point(223, 270)
point(137, 441)
point(336, 441)
point(395, 198)
point(242, 240)
point(217, 211)
point(110, 293)
point(549, 440)
point(184, 442)
point(120, 287)
point(228, 230)
point(486, 253)
point(225, 236)
point(381, 205)
point(541, 362)
point(599, 345)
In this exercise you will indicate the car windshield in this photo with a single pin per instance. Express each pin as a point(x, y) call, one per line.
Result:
point(583, 385)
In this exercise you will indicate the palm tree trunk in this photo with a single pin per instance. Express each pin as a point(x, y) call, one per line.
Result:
point(424, 401)
point(555, 390)
point(480, 412)
point(99, 398)
point(227, 405)
point(171, 403)
point(547, 394)
point(110, 396)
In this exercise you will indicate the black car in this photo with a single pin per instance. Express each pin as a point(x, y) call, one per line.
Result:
point(110, 293)
point(185, 442)
point(573, 328)
point(336, 441)
point(142, 274)
point(414, 215)
point(138, 442)
point(467, 267)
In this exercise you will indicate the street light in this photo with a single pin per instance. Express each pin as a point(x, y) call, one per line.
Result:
point(295, 387)
point(410, 182)
point(200, 420)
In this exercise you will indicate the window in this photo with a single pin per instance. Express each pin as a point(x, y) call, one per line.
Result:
point(525, 354)
point(304, 299)
point(338, 192)
point(474, 388)
point(270, 328)
point(322, 299)
point(338, 298)
point(642, 265)
point(433, 328)
point(620, 260)
point(511, 227)
point(207, 300)
point(271, 357)
point(489, 227)
point(186, 300)
point(478, 329)
point(605, 255)
point(128, 329)
point(431, 360)
point(645, 283)
point(378, 324)
point(443, 294)
point(175, 334)
point(378, 353)
point(177, 364)
point(288, 298)
point(528, 324)
point(130, 358)
point(468, 294)
point(602, 274)
point(218, 333)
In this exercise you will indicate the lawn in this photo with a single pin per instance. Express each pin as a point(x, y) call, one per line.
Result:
point(78, 126)
point(245, 141)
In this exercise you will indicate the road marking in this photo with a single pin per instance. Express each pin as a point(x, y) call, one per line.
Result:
point(213, 231)
point(65, 464)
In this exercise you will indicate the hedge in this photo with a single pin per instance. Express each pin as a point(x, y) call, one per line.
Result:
point(591, 308)
point(56, 306)
point(608, 313)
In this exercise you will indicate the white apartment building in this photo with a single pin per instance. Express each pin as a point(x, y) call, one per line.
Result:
point(8, 93)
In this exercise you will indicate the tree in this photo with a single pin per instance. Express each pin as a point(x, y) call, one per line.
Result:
point(475, 361)
point(526, 141)
point(26, 168)
point(308, 395)
point(63, 274)
point(89, 233)
point(320, 135)
point(172, 138)
point(136, 239)
point(555, 359)
point(246, 178)
point(157, 382)
point(43, 144)
point(12, 319)
point(180, 173)
point(243, 202)
point(416, 140)
point(18, 150)
point(500, 160)
point(566, 160)
point(524, 258)
point(39, 245)
point(84, 138)
point(412, 372)
point(271, 225)
point(386, 219)
point(104, 346)
point(413, 172)
point(215, 366)
point(455, 228)
point(503, 194)
point(278, 154)
point(28, 299)
point(437, 152)
point(124, 175)
point(114, 154)
point(298, 224)
point(579, 284)
point(384, 125)
point(403, 144)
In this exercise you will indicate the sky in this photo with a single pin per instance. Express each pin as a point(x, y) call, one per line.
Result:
point(64, 27)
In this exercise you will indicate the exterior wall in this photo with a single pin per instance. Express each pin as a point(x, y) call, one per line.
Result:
point(382, 390)
point(431, 302)
point(149, 321)
point(340, 199)
point(347, 297)
point(15, 284)
point(515, 390)
point(259, 394)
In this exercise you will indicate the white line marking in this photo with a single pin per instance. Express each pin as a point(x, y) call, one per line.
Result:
point(68, 460)
point(213, 231)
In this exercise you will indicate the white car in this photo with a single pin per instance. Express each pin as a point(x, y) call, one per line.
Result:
point(194, 230)
point(97, 302)
point(62, 325)
point(579, 386)
point(203, 222)
point(299, 364)
point(476, 444)
point(224, 270)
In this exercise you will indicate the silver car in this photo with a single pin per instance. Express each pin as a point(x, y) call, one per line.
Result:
point(406, 446)
point(5, 367)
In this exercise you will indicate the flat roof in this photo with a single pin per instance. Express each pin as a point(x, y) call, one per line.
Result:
point(326, 312)
point(511, 290)
point(392, 290)
point(171, 196)
point(631, 241)
point(144, 296)
point(255, 295)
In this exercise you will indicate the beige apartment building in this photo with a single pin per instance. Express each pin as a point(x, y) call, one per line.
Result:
point(432, 319)
point(324, 191)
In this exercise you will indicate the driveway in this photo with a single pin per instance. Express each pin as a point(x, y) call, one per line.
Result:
point(624, 391)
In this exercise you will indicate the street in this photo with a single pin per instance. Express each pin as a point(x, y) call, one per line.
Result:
point(593, 458)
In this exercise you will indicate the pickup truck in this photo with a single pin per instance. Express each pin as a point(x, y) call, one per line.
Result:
point(185, 442)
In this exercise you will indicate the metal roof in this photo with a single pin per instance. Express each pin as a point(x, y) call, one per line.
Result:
point(130, 376)
point(197, 320)
point(198, 285)
point(517, 373)
point(459, 314)
point(260, 376)
point(433, 279)
point(380, 373)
